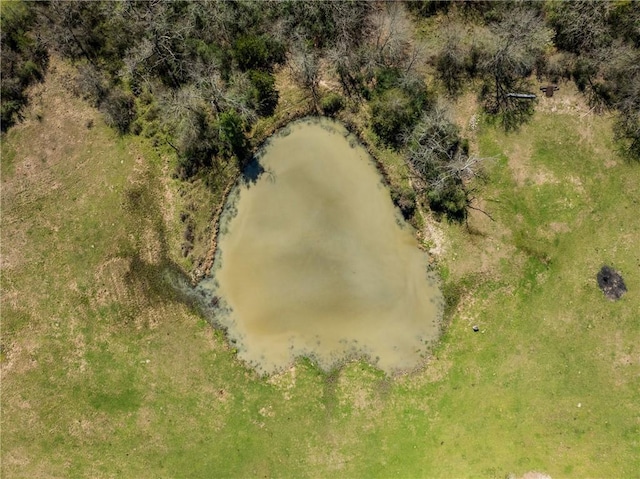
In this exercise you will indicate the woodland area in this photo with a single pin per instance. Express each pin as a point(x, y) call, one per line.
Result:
point(197, 75)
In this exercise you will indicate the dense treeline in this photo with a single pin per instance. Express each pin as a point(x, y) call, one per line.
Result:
point(196, 75)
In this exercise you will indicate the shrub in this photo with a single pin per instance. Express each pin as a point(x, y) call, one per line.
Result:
point(558, 67)
point(454, 59)
point(265, 96)
point(386, 78)
point(428, 8)
point(118, 109)
point(91, 84)
point(440, 158)
point(331, 103)
point(232, 134)
point(514, 49)
point(391, 115)
point(405, 200)
point(449, 199)
point(253, 52)
point(197, 142)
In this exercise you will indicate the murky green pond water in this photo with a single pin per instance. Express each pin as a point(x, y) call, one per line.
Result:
point(315, 260)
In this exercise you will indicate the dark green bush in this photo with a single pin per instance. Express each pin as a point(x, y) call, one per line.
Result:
point(253, 52)
point(583, 71)
point(331, 103)
point(265, 95)
point(449, 199)
point(386, 78)
point(118, 109)
point(391, 115)
point(405, 200)
point(428, 8)
point(232, 134)
point(197, 140)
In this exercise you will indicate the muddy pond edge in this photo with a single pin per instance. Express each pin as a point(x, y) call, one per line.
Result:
point(204, 270)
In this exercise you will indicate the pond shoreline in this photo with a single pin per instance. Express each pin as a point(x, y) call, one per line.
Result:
point(204, 269)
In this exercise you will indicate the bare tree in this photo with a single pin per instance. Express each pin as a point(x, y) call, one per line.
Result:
point(392, 29)
point(305, 68)
point(238, 97)
point(440, 160)
point(352, 21)
point(162, 48)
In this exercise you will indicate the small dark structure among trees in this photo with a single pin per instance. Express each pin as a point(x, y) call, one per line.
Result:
point(548, 90)
point(611, 283)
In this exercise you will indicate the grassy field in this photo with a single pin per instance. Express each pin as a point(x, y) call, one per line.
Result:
point(106, 373)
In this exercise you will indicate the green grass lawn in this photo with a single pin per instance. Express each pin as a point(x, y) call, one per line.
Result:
point(106, 373)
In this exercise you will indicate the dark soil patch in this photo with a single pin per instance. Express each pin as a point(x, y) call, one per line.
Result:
point(611, 283)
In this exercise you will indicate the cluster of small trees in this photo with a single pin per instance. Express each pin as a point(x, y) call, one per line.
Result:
point(397, 102)
point(502, 45)
point(502, 52)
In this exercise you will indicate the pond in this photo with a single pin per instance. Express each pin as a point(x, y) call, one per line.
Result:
point(314, 259)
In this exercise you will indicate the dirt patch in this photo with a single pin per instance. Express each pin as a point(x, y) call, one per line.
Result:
point(330, 457)
point(42, 148)
point(465, 113)
point(518, 162)
point(432, 236)
point(523, 172)
point(21, 356)
point(267, 411)
point(559, 227)
point(567, 100)
point(437, 369)
point(285, 380)
point(611, 283)
point(362, 396)
point(488, 243)
point(327, 79)
point(625, 356)
point(200, 273)
point(151, 246)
